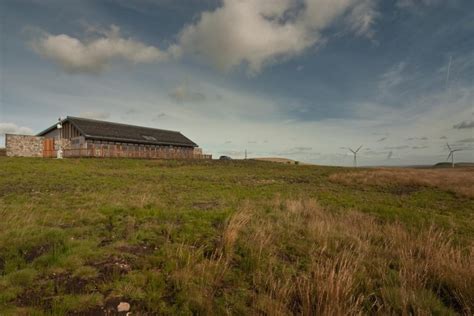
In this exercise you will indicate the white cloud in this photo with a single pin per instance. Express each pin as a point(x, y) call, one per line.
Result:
point(12, 128)
point(259, 32)
point(240, 32)
point(362, 17)
point(92, 56)
point(319, 14)
point(252, 33)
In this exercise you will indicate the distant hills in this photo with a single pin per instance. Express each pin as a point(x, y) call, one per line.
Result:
point(456, 165)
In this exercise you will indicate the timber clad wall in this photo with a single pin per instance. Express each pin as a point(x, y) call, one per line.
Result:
point(68, 131)
point(23, 145)
point(122, 150)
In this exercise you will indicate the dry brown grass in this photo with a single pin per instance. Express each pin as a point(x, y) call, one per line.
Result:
point(299, 258)
point(233, 228)
point(458, 181)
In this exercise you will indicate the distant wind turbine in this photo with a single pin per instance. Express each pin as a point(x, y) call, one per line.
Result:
point(449, 71)
point(354, 152)
point(390, 154)
point(451, 154)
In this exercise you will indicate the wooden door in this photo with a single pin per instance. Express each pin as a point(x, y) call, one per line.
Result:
point(48, 148)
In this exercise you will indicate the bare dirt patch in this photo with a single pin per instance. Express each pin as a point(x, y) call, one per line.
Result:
point(112, 266)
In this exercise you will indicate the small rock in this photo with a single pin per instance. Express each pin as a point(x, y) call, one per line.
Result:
point(123, 307)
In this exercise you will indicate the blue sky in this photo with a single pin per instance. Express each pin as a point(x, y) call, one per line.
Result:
point(292, 78)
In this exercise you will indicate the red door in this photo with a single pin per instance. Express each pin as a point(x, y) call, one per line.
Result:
point(48, 148)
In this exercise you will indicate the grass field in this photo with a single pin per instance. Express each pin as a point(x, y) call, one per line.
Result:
point(233, 237)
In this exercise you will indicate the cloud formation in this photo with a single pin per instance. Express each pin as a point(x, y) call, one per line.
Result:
point(255, 33)
point(464, 124)
point(93, 56)
point(417, 138)
point(362, 17)
point(391, 79)
point(182, 93)
point(12, 128)
point(248, 33)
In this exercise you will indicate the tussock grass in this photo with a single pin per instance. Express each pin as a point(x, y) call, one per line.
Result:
point(295, 257)
point(458, 181)
point(306, 260)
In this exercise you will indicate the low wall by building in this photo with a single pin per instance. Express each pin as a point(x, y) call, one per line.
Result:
point(23, 145)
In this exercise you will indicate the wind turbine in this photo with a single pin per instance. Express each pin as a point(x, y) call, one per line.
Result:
point(451, 154)
point(354, 152)
point(449, 71)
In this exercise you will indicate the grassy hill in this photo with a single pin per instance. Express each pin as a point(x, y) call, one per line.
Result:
point(233, 237)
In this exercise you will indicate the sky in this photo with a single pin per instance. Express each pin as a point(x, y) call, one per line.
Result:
point(301, 79)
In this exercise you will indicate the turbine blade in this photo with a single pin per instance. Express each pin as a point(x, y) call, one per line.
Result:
point(449, 70)
point(450, 154)
point(449, 147)
point(359, 148)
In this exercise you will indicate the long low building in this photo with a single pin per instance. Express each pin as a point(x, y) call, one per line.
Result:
point(81, 137)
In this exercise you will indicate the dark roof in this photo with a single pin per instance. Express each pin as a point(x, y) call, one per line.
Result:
point(108, 131)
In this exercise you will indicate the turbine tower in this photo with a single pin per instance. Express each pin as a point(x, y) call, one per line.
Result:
point(354, 152)
point(451, 154)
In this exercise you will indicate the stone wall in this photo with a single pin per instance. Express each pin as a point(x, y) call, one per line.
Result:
point(24, 145)
point(64, 143)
